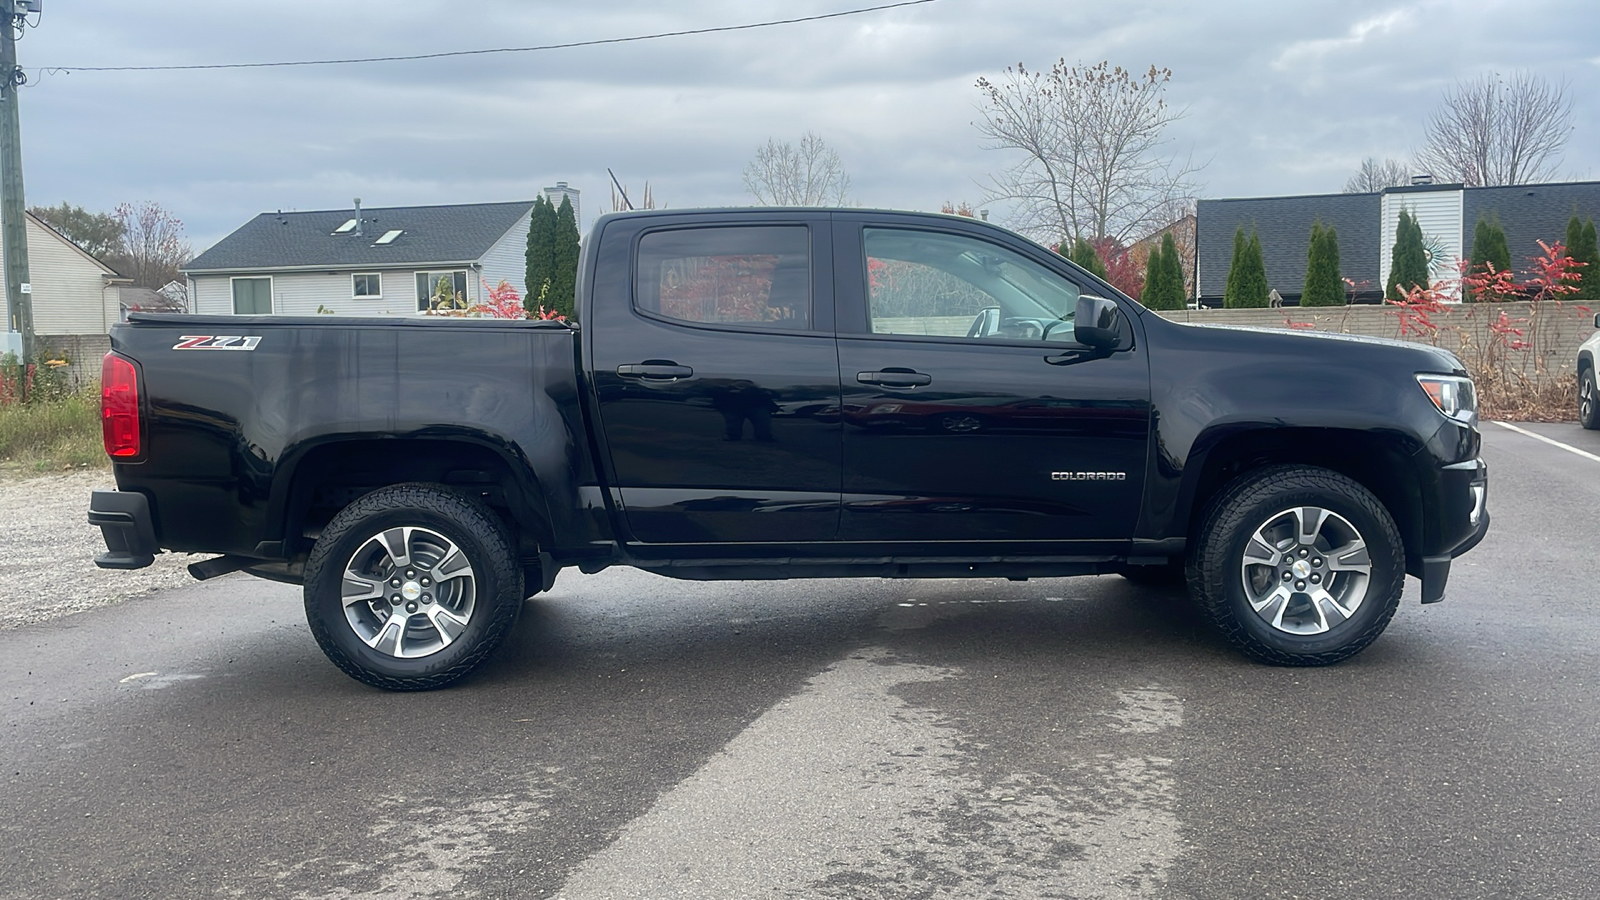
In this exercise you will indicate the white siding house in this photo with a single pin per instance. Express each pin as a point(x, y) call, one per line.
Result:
point(1439, 212)
point(73, 293)
point(382, 261)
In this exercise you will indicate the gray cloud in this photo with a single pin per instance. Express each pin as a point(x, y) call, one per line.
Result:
point(1281, 98)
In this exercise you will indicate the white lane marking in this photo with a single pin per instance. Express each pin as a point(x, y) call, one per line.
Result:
point(846, 790)
point(1146, 711)
point(1551, 441)
point(136, 676)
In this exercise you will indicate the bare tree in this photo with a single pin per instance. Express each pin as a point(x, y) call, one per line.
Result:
point(1093, 161)
point(153, 244)
point(1493, 131)
point(621, 201)
point(811, 174)
point(1374, 176)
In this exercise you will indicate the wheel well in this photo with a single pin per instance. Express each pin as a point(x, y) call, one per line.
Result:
point(1382, 464)
point(332, 476)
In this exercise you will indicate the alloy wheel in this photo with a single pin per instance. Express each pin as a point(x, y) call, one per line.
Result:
point(1306, 570)
point(408, 592)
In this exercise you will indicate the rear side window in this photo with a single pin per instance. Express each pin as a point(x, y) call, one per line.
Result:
point(756, 276)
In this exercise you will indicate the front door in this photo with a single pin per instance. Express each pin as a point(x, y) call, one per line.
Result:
point(970, 413)
point(717, 380)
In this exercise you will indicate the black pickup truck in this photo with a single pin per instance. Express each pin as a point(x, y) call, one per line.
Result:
point(790, 393)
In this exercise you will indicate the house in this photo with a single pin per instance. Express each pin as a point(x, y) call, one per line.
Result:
point(1366, 223)
point(559, 192)
point(384, 261)
point(76, 297)
point(1182, 231)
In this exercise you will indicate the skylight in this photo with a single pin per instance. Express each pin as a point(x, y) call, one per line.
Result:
point(388, 237)
point(346, 228)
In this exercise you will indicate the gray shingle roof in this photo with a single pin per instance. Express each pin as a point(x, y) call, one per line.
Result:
point(1284, 224)
point(430, 234)
point(1530, 213)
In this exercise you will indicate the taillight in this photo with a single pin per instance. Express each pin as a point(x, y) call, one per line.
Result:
point(119, 407)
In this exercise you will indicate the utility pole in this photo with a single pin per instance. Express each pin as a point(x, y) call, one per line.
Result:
point(19, 298)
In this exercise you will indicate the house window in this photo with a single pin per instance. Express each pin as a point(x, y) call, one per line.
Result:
point(252, 296)
point(442, 290)
point(369, 285)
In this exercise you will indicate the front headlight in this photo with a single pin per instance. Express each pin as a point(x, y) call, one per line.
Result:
point(1453, 395)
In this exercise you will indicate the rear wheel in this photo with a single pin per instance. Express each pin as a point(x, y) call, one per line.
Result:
point(1588, 400)
point(411, 587)
point(1298, 566)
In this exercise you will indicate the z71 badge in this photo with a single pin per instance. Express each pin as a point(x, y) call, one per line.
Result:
point(217, 342)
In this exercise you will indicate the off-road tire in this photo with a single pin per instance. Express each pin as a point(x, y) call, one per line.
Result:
point(1216, 557)
point(481, 538)
point(1588, 400)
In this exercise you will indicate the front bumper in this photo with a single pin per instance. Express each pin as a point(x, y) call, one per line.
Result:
point(124, 520)
point(1462, 501)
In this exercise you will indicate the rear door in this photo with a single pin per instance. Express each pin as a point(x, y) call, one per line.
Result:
point(970, 413)
point(717, 378)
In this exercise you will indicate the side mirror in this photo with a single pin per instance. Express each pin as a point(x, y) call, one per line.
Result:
point(1597, 320)
point(1096, 323)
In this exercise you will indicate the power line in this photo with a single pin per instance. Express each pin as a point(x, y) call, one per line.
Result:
point(484, 52)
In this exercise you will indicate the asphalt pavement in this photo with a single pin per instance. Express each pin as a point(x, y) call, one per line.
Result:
point(641, 737)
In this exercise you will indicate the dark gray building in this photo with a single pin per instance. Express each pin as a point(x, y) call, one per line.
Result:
point(1365, 223)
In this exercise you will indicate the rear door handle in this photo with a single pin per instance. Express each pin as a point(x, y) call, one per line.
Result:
point(895, 378)
point(655, 368)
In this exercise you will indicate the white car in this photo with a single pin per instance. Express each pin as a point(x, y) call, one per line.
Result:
point(1588, 391)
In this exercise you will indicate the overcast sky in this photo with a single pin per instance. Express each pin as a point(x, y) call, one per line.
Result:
point(1282, 97)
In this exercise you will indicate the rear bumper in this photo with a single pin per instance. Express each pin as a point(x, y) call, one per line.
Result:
point(124, 522)
point(1461, 522)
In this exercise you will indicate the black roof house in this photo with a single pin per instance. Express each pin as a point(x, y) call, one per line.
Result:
point(428, 235)
point(1528, 213)
point(1284, 226)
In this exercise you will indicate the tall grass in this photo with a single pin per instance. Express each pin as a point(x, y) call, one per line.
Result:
point(52, 435)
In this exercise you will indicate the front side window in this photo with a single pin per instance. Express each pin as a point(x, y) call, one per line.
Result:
point(756, 276)
point(252, 296)
point(369, 285)
point(927, 283)
point(442, 290)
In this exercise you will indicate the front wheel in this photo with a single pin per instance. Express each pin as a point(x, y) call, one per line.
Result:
point(411, 587)
point(1588, 400)
point(1298, 566)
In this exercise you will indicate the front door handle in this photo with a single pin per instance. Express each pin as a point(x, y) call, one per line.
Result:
point(655, 368)
point(895, 377)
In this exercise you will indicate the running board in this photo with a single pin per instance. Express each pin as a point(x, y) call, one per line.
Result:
point(207, 569)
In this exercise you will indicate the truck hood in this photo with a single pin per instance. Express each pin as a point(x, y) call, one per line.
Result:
point(1427, 358)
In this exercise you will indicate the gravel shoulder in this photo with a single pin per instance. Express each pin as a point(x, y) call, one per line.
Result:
point(47, 568)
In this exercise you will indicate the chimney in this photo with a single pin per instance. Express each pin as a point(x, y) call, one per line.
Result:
point(1421, 178)
point(358, 217)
